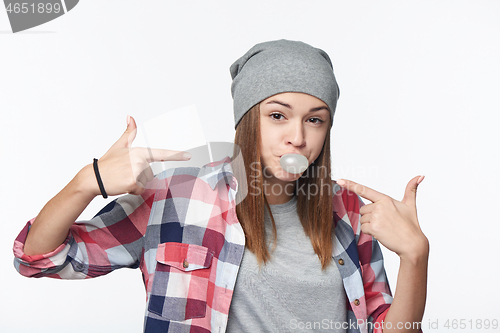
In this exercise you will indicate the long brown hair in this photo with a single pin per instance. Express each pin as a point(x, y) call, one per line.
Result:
point(313, 190)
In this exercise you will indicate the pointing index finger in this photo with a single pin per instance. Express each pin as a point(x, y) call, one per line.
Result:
point(361, 190)
point(160, 155)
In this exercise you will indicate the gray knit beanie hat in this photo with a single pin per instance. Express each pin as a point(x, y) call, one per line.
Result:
point(279, 66)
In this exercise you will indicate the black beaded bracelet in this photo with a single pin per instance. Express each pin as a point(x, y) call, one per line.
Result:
point(99, 180)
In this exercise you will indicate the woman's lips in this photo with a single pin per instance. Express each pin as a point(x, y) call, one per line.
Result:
point(292, 152)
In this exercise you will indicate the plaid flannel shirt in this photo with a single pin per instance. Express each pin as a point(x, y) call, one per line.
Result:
point(184, 235)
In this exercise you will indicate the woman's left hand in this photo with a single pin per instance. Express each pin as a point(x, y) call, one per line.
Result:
point(393, 223)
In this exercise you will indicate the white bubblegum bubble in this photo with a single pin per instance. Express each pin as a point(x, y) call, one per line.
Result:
point(294, 163)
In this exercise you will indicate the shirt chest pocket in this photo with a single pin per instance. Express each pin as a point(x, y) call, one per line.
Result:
point(180, 283)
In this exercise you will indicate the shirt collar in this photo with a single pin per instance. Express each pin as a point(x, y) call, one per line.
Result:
point(214, 172)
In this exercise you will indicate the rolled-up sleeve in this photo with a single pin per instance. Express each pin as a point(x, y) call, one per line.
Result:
point(110, 240)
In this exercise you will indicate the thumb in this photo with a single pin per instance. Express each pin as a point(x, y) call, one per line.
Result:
point(128, 136)
point(410, 197)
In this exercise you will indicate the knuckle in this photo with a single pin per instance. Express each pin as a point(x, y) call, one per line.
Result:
point(386, 200)
point(378, 210)
point(374, 227)
point(365, 229)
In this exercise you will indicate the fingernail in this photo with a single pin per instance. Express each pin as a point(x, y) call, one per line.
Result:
point(187, 155)
point(341, 182)
point(128, 120)
point(420, 179)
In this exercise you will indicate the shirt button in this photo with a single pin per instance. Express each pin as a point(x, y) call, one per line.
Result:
point(185, 263)
point(356, 302)
point(341, 261)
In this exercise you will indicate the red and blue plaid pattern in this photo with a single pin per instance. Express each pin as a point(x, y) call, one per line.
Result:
point(184, 235)
point(359, 259)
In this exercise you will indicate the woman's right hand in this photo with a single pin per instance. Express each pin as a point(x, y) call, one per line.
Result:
point(125, 169)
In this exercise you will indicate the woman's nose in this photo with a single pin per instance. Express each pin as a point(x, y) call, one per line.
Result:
point(295, 135)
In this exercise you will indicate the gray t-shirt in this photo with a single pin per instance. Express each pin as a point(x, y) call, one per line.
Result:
point(291, 293)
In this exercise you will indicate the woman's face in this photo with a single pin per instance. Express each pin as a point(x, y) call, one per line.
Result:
point(291, 123)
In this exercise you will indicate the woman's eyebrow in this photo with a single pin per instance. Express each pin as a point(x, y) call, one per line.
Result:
point(280, 103)
point(288, 106)
point(319, 108)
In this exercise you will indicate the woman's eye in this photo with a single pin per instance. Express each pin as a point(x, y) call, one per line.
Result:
point(316, 120)
point(277, 116)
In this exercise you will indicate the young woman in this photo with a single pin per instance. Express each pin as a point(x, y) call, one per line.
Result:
point(298, 252)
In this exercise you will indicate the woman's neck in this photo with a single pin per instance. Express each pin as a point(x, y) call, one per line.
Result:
point(277, 191)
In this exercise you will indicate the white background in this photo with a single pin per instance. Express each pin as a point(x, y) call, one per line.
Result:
point(419, 87)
